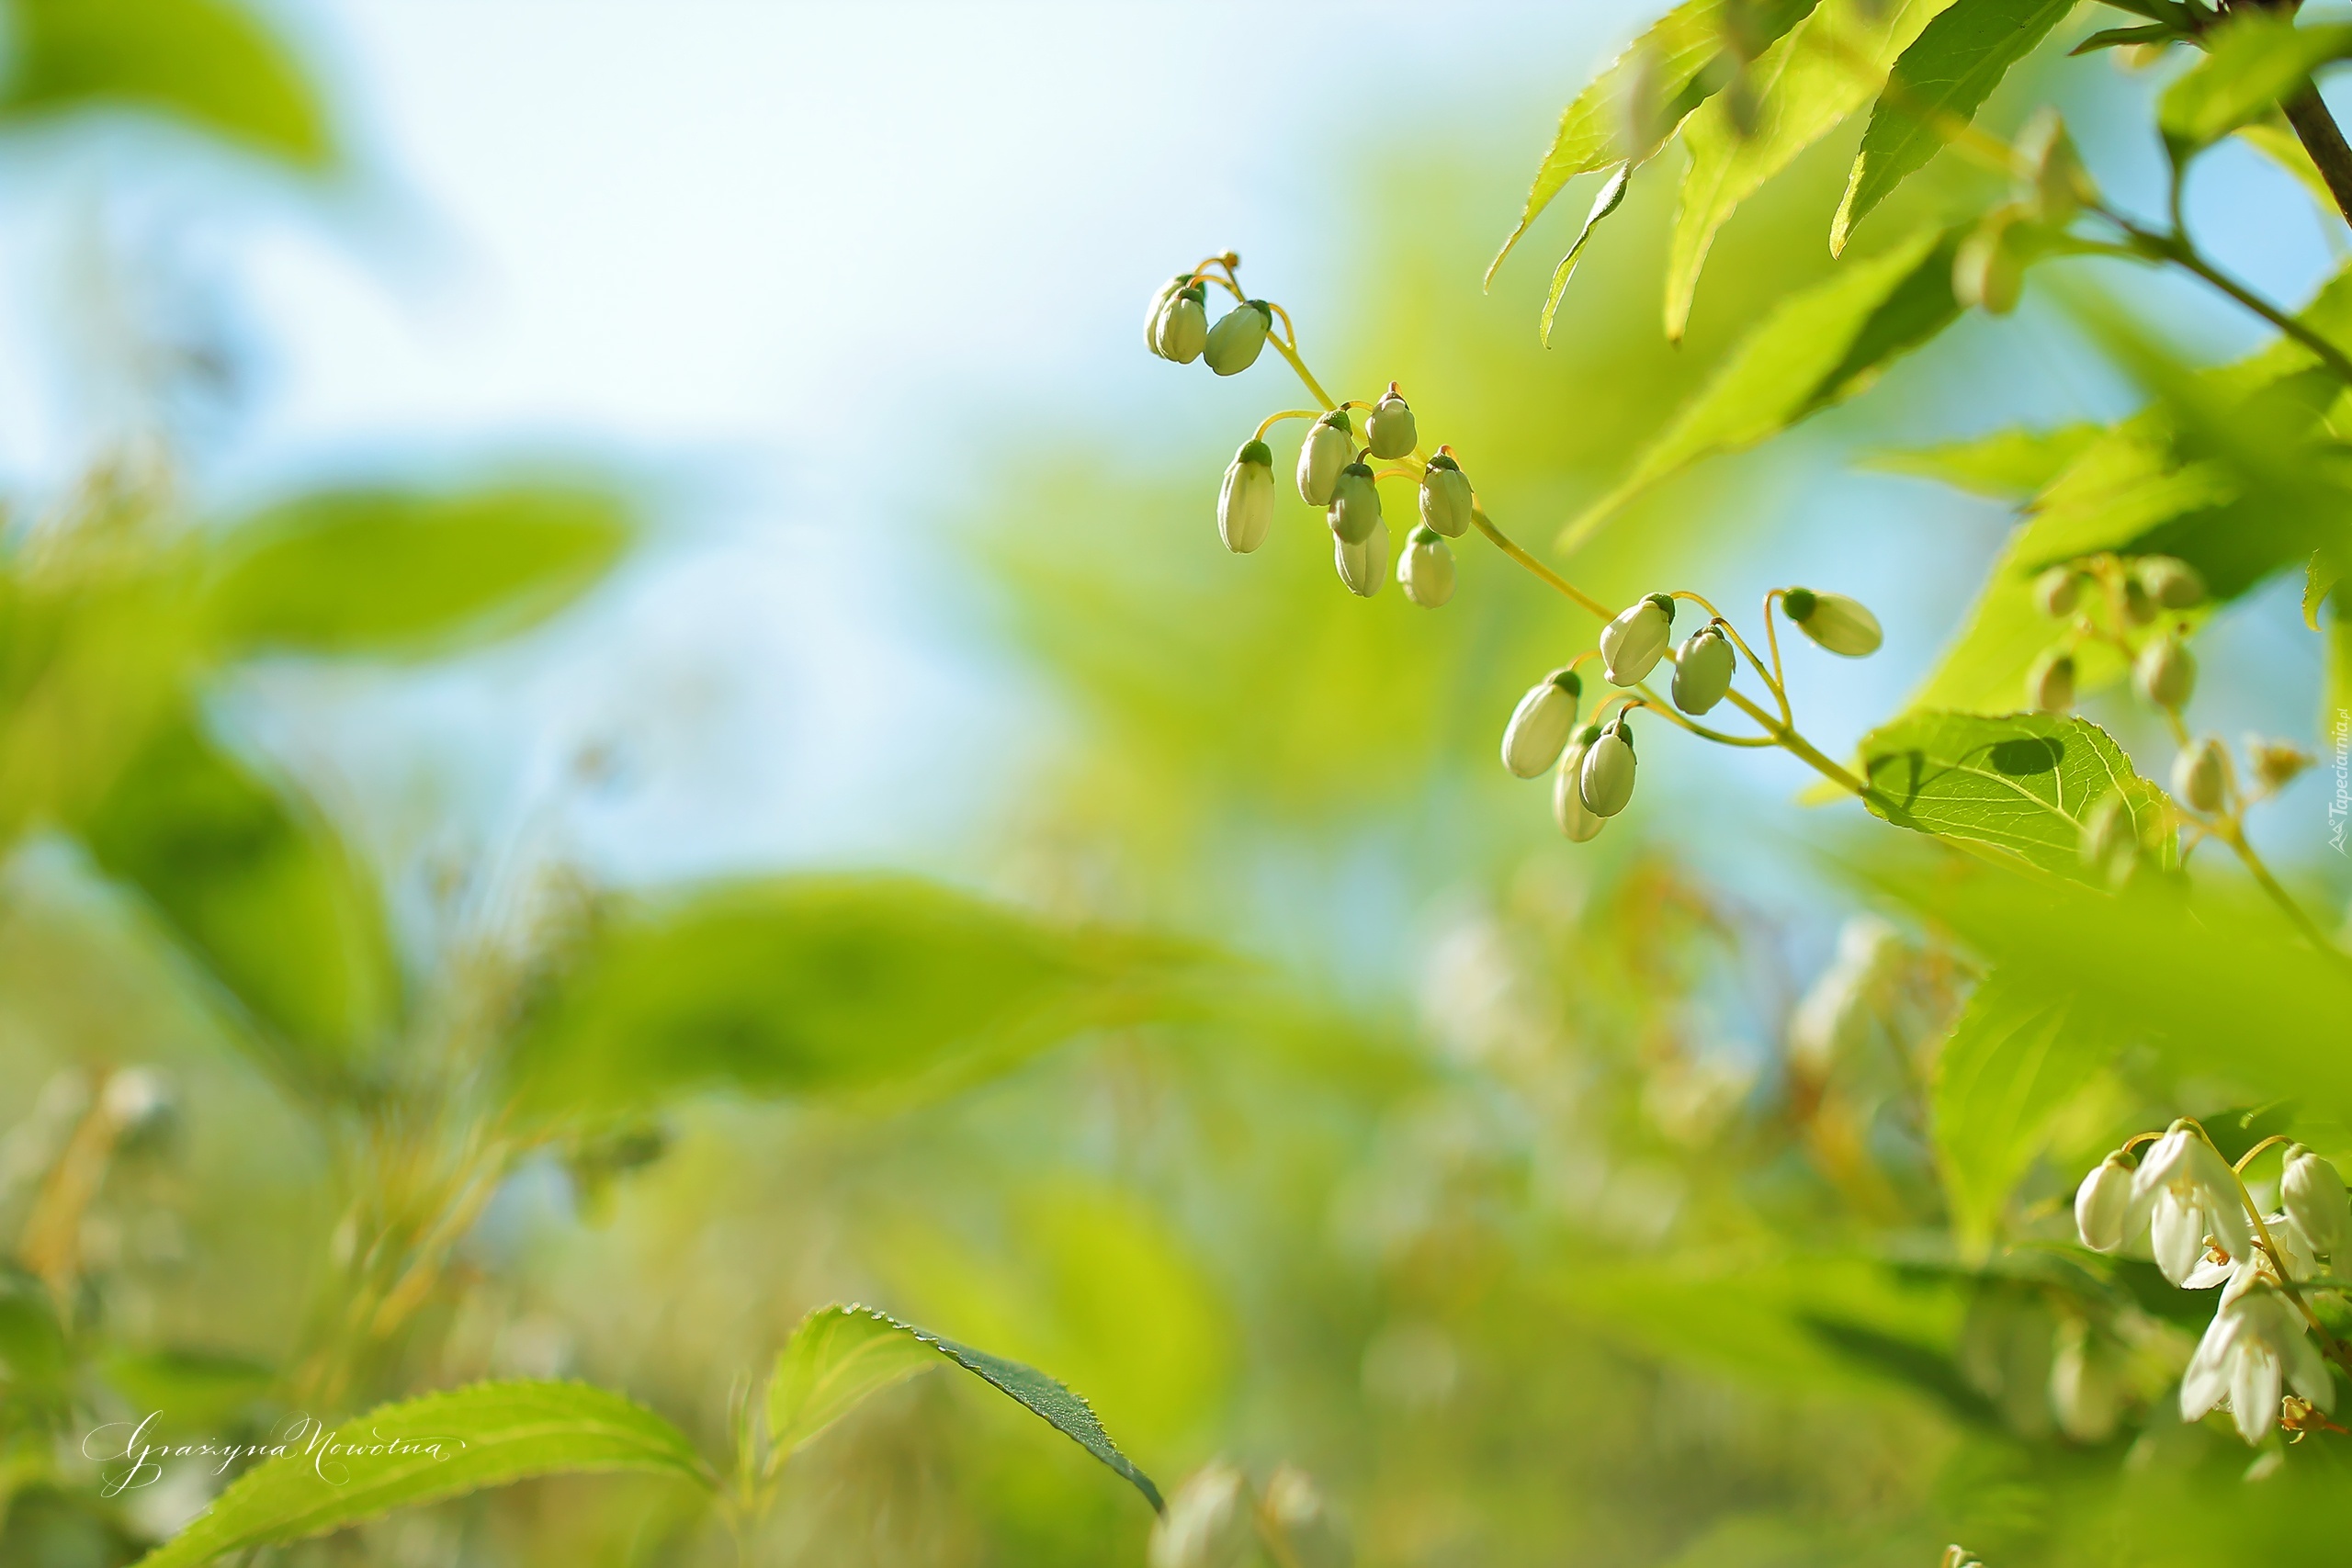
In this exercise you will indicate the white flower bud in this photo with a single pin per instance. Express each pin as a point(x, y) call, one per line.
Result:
point(1184, 326)
point(2049, 684)
point(1606, 780)
point(1297, 1511)
point(2255, 1344)
point(2110, 844)
point(1245, 507)
point(2102, 1202)
point(1703, 670)
point(1355, 505)
point(1168, 290)
point(1238, 337)
point(2058, 591)
point(2312, 1194)
point(2086, 1385)
point(1388, 429)
point(1209, 1523)
point(2199, 774)
point(2172, 583)
point(2166, 672)
point(1838, 623)
point(1632, 645)
point(1577, 821)
point(1540, 724)
point(1445, 496)
point(1362, 565)
point(1425, 571)
point(1328, 449)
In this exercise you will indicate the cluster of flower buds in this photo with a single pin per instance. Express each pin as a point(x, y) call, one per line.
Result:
point(1177, 327)
point(2052, 187)
point(2137, 593)
point(2204, 1230)
point(1217, 1519)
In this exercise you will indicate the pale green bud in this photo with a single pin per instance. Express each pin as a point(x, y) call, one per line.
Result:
point(2172, 583)
point(1986, 270)
point(1362, 565)
point(1606, 780)
point(1838, 623)
point(1238, 337)
point(1388, 429)
point(2140, 606)
point(1540, 724)
point(1210, 1522)
point(1355, 505)
point(1296, 1512)
point(2166, 672)
point(1577, 822)
point(2312, 1194)
point(1329, 449)
point(2049, 684)
point(1245, 507)
point(1632, 645)
point(2110, 844)
point(1168, 290)
point(2199, 773)
point(2086, 1383)
point(2058, 591)
point(1425, 571)
point(1184, 326)
point(2276, 763)
point(2059, 187)
point(2101, 1204)
point(1703, 670)
point(1445, 496)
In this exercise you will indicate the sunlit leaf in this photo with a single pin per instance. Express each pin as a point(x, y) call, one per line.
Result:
point(1936, 87)
point(422, 1450)
point(839, 1355)
point(209, 62)
point(2276, 140)
point(2008, 465)
point(1613, 192)
point(2021, 783)
point(389, 571)
point(2253, 60)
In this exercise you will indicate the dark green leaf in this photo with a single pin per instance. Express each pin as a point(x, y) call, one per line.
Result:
point(2255, 60)
point(422, 1450)
point(2008, 465)
point(1613, 192)
point(1937, 84)
point(2120, 38)
point(839, 1355)
point(210, 63)
point(381, 570)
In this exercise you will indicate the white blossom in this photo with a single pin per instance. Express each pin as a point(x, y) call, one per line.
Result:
point(2195, 1194)
point(2253, 1344)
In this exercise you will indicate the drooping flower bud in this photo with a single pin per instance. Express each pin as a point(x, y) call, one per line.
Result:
point(2314, 1196)
point(2140, 606)
point(1168, 290)
point(1632, 645)
point(1327, 450)
point(1238, 337)
point(2171, 582)
point(1838, 623)
point(1355, 505)
point(2199, 773)
point(1362, 565)
point(2277, 762)
point(2086, 1383)
point(1606, 780)
point(1209, 1522)
point(2049, 684)
point(2057, 590)
point(2059, 185)
point(1296, 1512)
point(2166, 672)
point(1245, 507)
point(2111, 845)
point(1184, 325)
point(1388, 429)
point(1703, 670)
point(1577, 821)
point(2102, 1202)
point(1540, 724)
point(1425, 571)
point(1445, 495)
point(1986, 270)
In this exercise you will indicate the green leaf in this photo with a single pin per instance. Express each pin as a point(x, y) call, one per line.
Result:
point(1683, 55)
point(2018, 1054)
point(815, 984)
point(383, 570)
point(839, 1355)
point(2122, 38)
point(2020, 782)
point(2255, 60)
point(2008, 465)
point(1817, 348)
point(422, 1450)
point(258, 890)
point(209, 62)
point(1939, 83)
point(1612, 193)
point(2320, 578)
point(1812, 78)
point(2276, 140)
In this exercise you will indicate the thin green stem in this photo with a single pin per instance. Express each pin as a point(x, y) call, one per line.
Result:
point(1502, 542)
point(1273, 420)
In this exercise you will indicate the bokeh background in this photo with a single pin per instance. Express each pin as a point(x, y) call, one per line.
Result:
point(839, 303)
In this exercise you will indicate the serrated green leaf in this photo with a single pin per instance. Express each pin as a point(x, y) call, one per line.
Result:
point(1824, 69)
point(2021, 783)
point(2018, 1053)
point(1938, 84)
point(422, 1450)
point(1682, 52)
point(209, 62)
point(2008, 465)
point(1817, 348)
point(2253, 60)
point(1612, 192)
point(839, 1355)
point(410, 571)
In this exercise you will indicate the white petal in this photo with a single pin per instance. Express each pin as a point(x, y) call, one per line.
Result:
point(2307, 1372)
point(2208, 1378)
point(2178, 1232)
point(2254, 1388)
point(2208, 1274)
point(2164, 1156)
point(2294, 1248)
